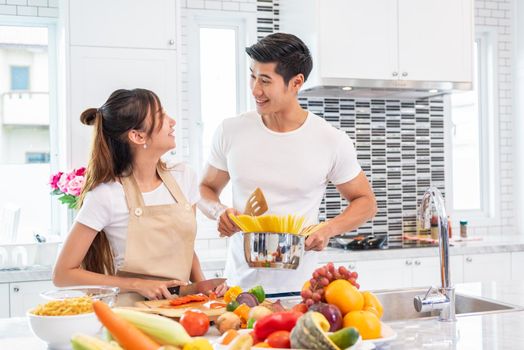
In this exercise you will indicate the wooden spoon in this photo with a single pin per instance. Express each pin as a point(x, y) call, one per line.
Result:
point(256, 203)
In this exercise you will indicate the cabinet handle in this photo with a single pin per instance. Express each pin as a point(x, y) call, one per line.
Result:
point(409, 262)
point(171, 42)
point(394, 74)
point(404, 74)
point(469, 259)
point(417, 262)
point(16, 289)
point(351, 266)
point(217, 274)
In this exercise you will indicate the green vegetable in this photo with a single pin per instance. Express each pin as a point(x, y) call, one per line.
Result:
point(345, 337)
point(250, 323)
point(232, 305)
point(161, 329)
point(87, 342)
point(259, 293)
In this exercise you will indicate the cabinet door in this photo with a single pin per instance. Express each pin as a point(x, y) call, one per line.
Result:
point(357, 39)
point(384, 274)
point(26, 295)
point(435, 40)
point(426, 271)
point(97, 72)
point(123, 23)
point(487, 267)
point(517, 266)
point(4, 300)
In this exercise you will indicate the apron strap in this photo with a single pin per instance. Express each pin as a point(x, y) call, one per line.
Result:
point(132, 192)
point(171, 185)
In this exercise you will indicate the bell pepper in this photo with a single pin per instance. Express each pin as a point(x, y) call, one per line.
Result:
point(278, 321)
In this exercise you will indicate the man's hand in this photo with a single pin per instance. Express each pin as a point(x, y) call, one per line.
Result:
point(226, 226)
point(318, 240)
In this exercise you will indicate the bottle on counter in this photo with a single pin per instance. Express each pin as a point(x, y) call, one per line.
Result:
point(434, 227)
point(463, 228)
point(450, 233)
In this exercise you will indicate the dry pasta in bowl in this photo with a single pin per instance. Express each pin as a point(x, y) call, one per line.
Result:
point(65, 307)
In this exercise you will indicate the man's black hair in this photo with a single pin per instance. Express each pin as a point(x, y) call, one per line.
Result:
point(286, 50)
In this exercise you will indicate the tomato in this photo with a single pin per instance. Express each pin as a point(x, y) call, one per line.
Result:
point(279, 339)
point(195, 322)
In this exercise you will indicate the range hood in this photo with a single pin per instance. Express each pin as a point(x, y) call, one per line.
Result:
point(381, 89)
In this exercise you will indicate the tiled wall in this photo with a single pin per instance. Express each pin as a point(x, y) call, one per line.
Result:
point(497, 14)
point(400, 146)
point(34, 8)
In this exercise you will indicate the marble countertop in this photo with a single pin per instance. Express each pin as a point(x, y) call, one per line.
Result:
point(484, 331)
point(214, 259)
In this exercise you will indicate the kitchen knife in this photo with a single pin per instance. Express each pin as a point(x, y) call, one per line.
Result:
point(197, 287)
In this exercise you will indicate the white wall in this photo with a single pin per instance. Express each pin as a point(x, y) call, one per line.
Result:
point(498, 14)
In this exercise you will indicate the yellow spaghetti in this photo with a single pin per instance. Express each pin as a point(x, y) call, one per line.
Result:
point(66, 307)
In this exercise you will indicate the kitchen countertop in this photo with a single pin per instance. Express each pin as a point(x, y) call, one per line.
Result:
point(488, 331)
point(211, 259)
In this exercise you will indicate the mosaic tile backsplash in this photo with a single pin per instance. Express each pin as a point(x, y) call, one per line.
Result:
point(400, 146)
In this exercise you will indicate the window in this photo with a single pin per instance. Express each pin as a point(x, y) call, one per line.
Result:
point(473, 131)
point(27, 125)
point(217, 83)
point(19, 78)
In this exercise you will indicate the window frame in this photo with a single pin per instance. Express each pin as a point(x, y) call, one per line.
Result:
point(57, 123)
point(489, 213)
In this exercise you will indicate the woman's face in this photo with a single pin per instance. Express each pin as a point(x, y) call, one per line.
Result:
point(163, 137)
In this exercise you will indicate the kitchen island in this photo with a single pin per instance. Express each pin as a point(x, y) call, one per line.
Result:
point(502, 330)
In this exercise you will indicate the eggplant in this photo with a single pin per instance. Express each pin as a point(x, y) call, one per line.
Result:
point(248, 299)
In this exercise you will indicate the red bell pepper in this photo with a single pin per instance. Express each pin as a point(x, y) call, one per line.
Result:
point(278, 321)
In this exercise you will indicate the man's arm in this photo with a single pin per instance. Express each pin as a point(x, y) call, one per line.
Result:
point(212, 184)
point(362, 208)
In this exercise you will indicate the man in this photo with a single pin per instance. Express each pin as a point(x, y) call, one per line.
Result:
point(291, 154)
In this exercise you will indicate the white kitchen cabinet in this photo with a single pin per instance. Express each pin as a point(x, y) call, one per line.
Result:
point(487, 267)
point(385, 43)
point(384, 274)
point(4, 300)
point(26, 295)
point(517, 266)
point(123, 23)
point(213, 273)
point(426, 271)
point(96, 72)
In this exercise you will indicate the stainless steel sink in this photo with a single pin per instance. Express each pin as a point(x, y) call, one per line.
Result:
point(398, 305)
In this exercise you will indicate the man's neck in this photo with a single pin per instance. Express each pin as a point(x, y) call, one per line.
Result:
point(286, 120)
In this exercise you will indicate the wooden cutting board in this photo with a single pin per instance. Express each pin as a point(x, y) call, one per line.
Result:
point(162, 307)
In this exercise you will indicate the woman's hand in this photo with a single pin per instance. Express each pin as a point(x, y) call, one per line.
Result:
point(226, 226)
point(155, 290)
point(221, 289)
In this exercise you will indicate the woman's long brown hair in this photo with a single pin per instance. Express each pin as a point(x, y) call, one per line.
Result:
point(112, 156)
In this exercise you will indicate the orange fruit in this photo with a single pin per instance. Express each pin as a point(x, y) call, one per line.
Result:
point(367, 323)
point(371, 301)
point(306, 285)
point(371, 309)
point(344, 295)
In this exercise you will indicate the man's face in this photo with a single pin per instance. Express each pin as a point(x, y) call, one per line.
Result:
point(271, 93)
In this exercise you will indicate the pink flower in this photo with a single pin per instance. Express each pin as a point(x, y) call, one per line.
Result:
point(74, 186)
point(80, 171)
point(64, 181)
point(53, 180)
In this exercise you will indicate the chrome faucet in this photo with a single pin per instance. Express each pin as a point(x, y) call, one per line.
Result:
point(443, 298)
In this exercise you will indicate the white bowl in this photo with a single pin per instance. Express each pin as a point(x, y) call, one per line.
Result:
point(57, 331)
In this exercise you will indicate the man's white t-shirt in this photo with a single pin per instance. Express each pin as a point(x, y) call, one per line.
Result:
point(105, 206)
point(292, 169)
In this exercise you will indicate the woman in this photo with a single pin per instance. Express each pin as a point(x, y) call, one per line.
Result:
point(136, 226)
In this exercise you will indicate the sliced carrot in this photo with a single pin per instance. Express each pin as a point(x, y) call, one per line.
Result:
point(229, 336)
point(127, 335)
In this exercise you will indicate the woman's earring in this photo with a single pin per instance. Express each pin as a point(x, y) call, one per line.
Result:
point(145, 145)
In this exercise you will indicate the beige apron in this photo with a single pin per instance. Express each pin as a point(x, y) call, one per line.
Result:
point(160, 238)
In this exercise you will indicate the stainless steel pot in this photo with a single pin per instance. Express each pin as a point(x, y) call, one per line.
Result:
point(268, 250)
